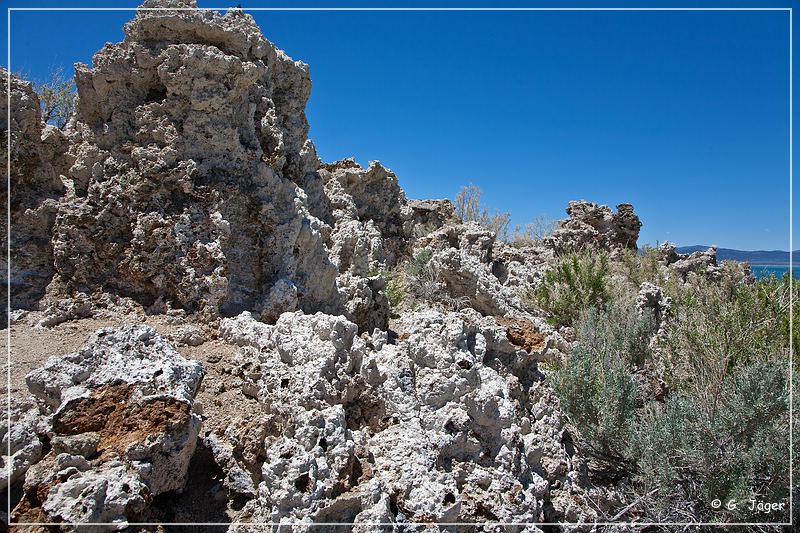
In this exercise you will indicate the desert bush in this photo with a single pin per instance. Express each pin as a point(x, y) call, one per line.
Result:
point(735, 451)
point(424, 284)
point(56, 97)
point(595, 384)
point(722, 430)
point(776, 293)
point(719, 326)
point(423, 230)
point(419, 265)
point(415, 283)
point(727, 354)
point(600, 397)
point(577, 282)
point(533, 232)
point(469, 209)
point(422, 277)
point(395, 289)
point(618, 330)
point(638, 266)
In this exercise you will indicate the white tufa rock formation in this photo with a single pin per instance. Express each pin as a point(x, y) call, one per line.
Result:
point(450, 424)
point(191, 180)
point(119, 416)
point(38, 157)
point(21, 438)
point(596, 226)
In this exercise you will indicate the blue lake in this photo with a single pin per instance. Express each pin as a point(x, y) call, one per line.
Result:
point(760, 271)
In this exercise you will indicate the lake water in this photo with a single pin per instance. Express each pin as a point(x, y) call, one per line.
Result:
point(761, 271)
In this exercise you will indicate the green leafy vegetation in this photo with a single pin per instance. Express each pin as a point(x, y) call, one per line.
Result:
point(415, 282)
point(576, 283)
point(733, 449)
point(395, 290)
point(638, 266)
point(419, 265)
point(596, 387)
point(719, 429)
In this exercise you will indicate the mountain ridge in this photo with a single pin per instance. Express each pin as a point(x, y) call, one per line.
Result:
point(754, 257)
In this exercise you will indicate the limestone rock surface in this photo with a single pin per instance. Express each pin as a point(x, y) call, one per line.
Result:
point(479, 271)
point(371, 218)
point(702, 262)
point(596, 226)
point(119, 414)
point(451, 423)
point(22, 439)
point(651, 299)
point(188, 140)
point(430, 215)
point(38, 159)
point(371, 226)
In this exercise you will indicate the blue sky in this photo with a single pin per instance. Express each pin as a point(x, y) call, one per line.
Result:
point(682, 113)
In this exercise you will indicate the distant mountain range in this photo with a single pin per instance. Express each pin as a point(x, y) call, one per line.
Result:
point(754, 257)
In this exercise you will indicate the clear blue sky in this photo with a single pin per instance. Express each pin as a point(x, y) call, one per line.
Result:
point(684, 114)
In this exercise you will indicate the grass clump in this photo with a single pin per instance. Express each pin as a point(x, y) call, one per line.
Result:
point(578, 282)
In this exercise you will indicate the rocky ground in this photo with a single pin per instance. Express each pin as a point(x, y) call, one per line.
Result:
point(201, 328)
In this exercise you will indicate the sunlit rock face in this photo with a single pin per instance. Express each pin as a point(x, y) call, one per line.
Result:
point(120, 423)
point(452, 423)
point(188, 140)
point(596, 226)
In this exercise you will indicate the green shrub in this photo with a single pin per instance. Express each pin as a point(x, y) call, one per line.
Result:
point(423, 230)
point(576, 283)
point(721, 431)
point(775, 292)
point(415, 283)
point(422, 278)
point(419, 265)
point(595, 385)
point(638, 266)
point(720, 326)
point(599, 396)
point(726, 350)
point(395, 290)
point(736, 451)
point(618, 330)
